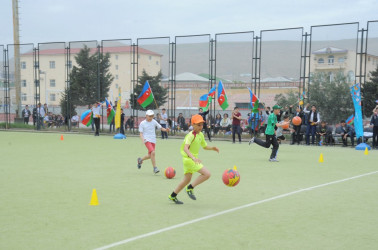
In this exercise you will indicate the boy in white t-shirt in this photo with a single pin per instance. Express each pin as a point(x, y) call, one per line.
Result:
point(148, 137)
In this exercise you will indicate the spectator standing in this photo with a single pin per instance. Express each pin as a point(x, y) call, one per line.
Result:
point(236, 117)
point(295, 136)
point(181, 122)
point(121, 127)
point(313, 119)
point(45, 108)
point(112, 124)
point(265, 116)
point(203, 114)
point(96, 109)
point(26, 114)
point(163, 123)
point(41, 112)
point(34, 116)
point(374, 123)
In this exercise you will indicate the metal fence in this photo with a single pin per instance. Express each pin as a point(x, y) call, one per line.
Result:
point(270, 62)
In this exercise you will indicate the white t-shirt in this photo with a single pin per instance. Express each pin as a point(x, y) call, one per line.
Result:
point(163, 119)
point(96, 111)
point(279, 129)
point(148, 130)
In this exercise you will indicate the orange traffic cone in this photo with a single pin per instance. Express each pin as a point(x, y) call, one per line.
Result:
point(61, 137)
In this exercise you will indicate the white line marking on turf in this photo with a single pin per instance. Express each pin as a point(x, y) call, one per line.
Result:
point(229, 211)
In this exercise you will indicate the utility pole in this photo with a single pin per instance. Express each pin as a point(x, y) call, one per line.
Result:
point(17, 68)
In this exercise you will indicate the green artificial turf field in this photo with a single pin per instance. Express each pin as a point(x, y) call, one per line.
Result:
point(46, 186)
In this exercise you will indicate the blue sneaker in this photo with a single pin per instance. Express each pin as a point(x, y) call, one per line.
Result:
point(175, 200)
point(190, 193)
point(139, 163)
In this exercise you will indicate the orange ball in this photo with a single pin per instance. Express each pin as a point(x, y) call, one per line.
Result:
point(170, 172)
point(286, 126)
point(297, 121)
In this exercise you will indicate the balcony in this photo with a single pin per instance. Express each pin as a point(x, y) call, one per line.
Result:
point(327, 66)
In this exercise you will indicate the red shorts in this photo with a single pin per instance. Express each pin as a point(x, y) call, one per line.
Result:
point(150, 146)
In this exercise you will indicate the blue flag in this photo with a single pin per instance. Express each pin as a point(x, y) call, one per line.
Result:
point(356, 96)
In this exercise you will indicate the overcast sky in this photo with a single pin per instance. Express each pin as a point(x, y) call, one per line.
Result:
point(78, 20)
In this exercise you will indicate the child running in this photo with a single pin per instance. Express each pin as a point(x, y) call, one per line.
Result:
point(148, 137)
point(279, 135)
point(271, 138)
point(189, 151)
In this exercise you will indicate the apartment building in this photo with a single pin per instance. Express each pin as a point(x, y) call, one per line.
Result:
point(52, 68)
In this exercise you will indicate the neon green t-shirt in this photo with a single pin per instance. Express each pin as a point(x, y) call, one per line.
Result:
point(272, 120)
point(195, 142)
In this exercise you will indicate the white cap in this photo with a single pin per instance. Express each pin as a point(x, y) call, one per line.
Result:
point(150, 112)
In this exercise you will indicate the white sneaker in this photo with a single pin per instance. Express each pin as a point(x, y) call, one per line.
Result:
point(251, 141)
point(273, 160)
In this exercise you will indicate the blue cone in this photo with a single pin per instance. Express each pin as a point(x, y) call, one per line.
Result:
point(362, 146)
point(119, 136)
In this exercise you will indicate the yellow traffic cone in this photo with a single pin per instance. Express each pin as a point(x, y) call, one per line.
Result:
point(94, 200)
point(321, 158)
point(366, 151)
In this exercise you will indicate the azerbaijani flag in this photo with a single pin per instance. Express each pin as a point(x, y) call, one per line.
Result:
point(87, 118)
point(212, 93)
point(204, 102)
point(350, 120)
point(109, 111)
point(146, 96)
point(222, 97)
point(254, 101)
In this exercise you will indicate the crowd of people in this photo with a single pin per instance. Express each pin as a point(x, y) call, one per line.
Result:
point(311, 131)
point(42, 117)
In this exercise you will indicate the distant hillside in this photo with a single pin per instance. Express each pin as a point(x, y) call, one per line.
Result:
point(234, 59)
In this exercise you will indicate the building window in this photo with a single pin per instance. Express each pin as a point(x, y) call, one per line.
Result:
point(24, 97)
point(117, 86)
point(331, 59)
point(52, 97)
point(116, 77)
point(157, 62)
point(321, 61)
point(23, 65)
point(36, 83)
point(341, 60)
point(116, 67)
point(244, 105)
point(52, 83)
point(350, 76)
point(368, 58)
point(36, 64)
point(150, 57)
point(69, 64)
point(52, 64)
point(116, 57)
point(23, 83)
